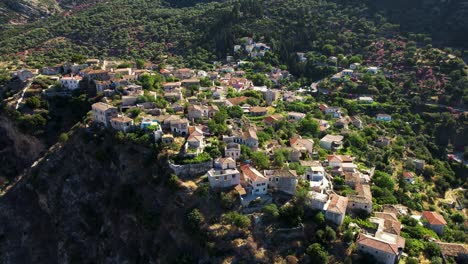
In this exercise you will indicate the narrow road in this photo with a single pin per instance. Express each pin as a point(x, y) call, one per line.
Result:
point(22, 94)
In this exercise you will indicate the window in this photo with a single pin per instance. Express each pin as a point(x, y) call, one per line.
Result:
point(225, 177)
point(277, 179)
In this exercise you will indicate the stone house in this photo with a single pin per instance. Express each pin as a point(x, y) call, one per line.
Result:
point(258, 111)
point(224, 174)
point(434, 221)
point(282, 180)
point(331, 142)
point(317, 200)
point(362, 200)
point(122, 123)
point(232, 150)
point(71, 83)
point(335, 208)
point(103, 113)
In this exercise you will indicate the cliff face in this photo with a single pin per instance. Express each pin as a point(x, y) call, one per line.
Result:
point(17, 150)
point(85, 202)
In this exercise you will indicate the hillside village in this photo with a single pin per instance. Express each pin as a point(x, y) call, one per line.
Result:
point(267, 144)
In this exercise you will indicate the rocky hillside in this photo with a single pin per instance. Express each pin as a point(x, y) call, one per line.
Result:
point(24, 11)
point(17, 150)
point(91, 200)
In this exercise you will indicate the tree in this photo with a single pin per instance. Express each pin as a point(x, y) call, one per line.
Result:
point(235, 111)
point(195, 219)
point(432, 249)
point(63, 137)
point(330, 234)
point(308, 127)
point(33, 102)
point(348, 236)
point(140, 63)
point(383, 180)
point(237, 219)
point(270, 212)
point(458, 217)
point(317, 254)
point(260, 160)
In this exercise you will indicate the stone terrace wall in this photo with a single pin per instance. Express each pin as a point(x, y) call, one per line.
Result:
point(191, 170)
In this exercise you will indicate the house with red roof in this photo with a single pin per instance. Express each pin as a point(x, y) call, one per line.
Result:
point(409, 177)
point(434, 221)
point(385, 245)
point(386, 250)
point(257, 182)
point(335, 208)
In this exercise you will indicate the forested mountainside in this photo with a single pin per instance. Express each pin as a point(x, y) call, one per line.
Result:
point(444, 20)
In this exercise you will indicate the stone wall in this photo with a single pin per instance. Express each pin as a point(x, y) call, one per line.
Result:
point(191, 170)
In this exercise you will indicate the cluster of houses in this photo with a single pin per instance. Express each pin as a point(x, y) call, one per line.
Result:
point(252, 48)
point(186, 118)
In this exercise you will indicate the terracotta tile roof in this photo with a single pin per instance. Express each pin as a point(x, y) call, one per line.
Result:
point(240, 190)
point(386, 216)
point(237, 100)
point(121, 119)
point(258, 109)
point(408, 175)
point(381, 245)
point(281, 173)
point(102, 106)
point(341, 158)
point(452, 249)
point(273, 118)
point(226, 160)
point(251, 173)
point(250, 133)
point(337, 204)
point(434, 218)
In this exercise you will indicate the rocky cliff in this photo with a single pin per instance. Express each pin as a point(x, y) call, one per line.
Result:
point(17, 150)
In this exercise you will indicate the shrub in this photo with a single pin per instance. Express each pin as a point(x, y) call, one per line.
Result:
point(33, 102)
point(228, 200)
point(63, 137)
point(194, 219)
point(173, 182)
point(270, 212)
point(317, 254)
point(237, 219)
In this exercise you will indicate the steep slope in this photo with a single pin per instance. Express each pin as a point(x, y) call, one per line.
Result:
point(17, 150)
point(87, 201)
point(22, 11)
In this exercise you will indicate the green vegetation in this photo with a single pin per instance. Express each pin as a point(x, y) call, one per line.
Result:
point(237, 219)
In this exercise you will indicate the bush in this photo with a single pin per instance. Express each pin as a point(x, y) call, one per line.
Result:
point(173, 182)
point(63, 137)
point(228, 200)
point(432, 250)
point(195, 219)
point(237, 219)
point(270, 212)
point(317, 254)
point(33, 102)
